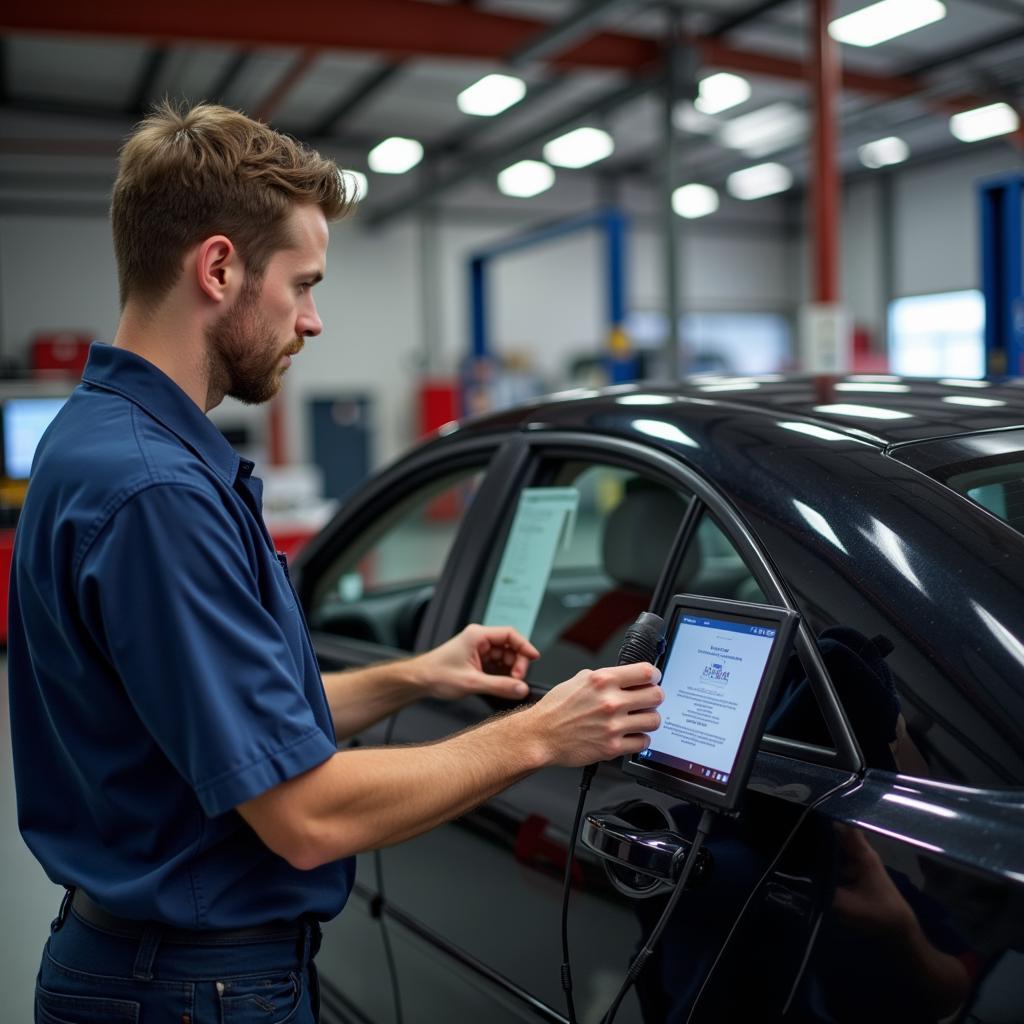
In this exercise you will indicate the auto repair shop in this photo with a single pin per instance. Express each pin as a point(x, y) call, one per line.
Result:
point(687, 332)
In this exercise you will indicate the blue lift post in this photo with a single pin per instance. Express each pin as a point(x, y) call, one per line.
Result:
point(622, 364)
point(1002, 241)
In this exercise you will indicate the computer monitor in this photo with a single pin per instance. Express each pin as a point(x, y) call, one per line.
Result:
point(722, 662)
point(23, 422)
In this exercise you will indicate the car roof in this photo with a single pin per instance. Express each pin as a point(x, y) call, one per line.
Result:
point(880, 409)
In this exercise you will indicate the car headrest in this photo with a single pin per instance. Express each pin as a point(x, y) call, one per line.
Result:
point(639, 532)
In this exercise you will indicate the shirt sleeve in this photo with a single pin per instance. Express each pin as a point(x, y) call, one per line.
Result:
point(171, 593)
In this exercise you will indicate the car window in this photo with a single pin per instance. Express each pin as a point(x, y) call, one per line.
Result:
point(582, 553)
point(379, 586)
point(712, 567)
point(998, 488)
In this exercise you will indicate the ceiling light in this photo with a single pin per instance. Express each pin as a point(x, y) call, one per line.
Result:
point(687, 119)
point(883, 152)
point(491, 95)
point(526, 178)
point(355, 184)
point(885, 20)
point(766, 130)
point(395, 155)
point(720, 92)
point(693, 201)
point(759, 181)
point(579, 148)
point(984, 122)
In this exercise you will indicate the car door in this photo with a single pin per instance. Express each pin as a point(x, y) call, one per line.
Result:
point(478, 900)
point(370, 584)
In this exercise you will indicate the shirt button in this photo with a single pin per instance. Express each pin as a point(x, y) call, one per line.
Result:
point(220, 988)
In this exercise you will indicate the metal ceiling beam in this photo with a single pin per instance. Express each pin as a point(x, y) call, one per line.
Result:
point(497, 156)
point(151, 71)
point(744, 17)
point(364, 90)
point(229, 76)
point(301, 66)
point(407, 28)
point(559, 37)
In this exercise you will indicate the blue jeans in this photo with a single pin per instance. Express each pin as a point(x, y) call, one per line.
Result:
point(91, 976)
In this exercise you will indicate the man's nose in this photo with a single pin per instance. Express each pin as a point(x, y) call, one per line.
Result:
point(310, 325)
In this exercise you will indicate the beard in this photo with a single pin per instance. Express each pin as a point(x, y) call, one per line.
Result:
point(243, 352)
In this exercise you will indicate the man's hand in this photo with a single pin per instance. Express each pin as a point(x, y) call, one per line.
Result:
point(489, 660)
point(599, 714)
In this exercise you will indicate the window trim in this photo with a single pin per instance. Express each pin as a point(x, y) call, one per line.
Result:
point(403, 478)
point(631, 455)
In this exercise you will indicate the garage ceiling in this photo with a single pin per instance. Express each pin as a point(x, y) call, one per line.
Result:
point(74, 77)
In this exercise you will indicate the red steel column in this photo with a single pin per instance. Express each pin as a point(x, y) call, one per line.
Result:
point(825, 188)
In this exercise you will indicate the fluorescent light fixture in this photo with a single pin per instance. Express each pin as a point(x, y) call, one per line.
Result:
point(845, 386)
point(984, 122)
point(885, 20)
point(526, 178)
point(981, 403)
point(868, 412)
point(579, 148)
point(739, 386)
point(960, 382)
point(766, 130)
point(355, 184)
point(693, 201)
point(491, 95)
point(688, 119)
point(875, 378)
point(883, 152)
point(720, 92)
point(395, 155)
point(759, 181)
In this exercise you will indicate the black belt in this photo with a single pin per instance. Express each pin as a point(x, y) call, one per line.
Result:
point(92, 913)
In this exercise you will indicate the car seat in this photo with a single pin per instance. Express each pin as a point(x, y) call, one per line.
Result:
point(636, 541)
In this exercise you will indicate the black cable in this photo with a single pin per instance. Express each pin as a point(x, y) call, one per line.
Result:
point(588, 774)
point(757, 887)
point(642, 642)
point(382, 902)
point(640, 960)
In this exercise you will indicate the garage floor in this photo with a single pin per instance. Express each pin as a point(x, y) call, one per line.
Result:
point(28, 900)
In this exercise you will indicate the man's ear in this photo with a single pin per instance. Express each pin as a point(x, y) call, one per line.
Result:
point(219, 270)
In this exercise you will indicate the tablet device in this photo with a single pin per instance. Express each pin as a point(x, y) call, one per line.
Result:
point(722, 662)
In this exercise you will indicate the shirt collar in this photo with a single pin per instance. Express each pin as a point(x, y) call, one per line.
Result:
point(138, 380)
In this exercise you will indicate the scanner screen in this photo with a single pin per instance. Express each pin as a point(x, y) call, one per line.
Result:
point(711, 675)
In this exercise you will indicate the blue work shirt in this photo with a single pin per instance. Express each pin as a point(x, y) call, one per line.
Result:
point(160, 670)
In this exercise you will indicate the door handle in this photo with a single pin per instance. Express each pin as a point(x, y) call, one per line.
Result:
point(641, 862)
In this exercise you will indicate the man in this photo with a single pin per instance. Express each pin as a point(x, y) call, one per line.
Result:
point(175, 744)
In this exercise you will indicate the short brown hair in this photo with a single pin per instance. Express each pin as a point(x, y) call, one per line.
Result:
point(186, 174)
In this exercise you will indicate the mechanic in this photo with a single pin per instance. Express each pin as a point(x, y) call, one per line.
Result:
point(175, 745)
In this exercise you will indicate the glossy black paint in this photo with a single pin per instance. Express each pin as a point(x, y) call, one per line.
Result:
point(885, 883)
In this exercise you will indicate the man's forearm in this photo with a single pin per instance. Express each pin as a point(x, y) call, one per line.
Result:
point(360, 697)
point(364, 799)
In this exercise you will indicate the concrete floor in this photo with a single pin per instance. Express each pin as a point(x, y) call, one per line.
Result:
point(28, 900)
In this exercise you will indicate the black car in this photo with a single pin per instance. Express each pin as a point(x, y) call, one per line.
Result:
point(877, 870)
